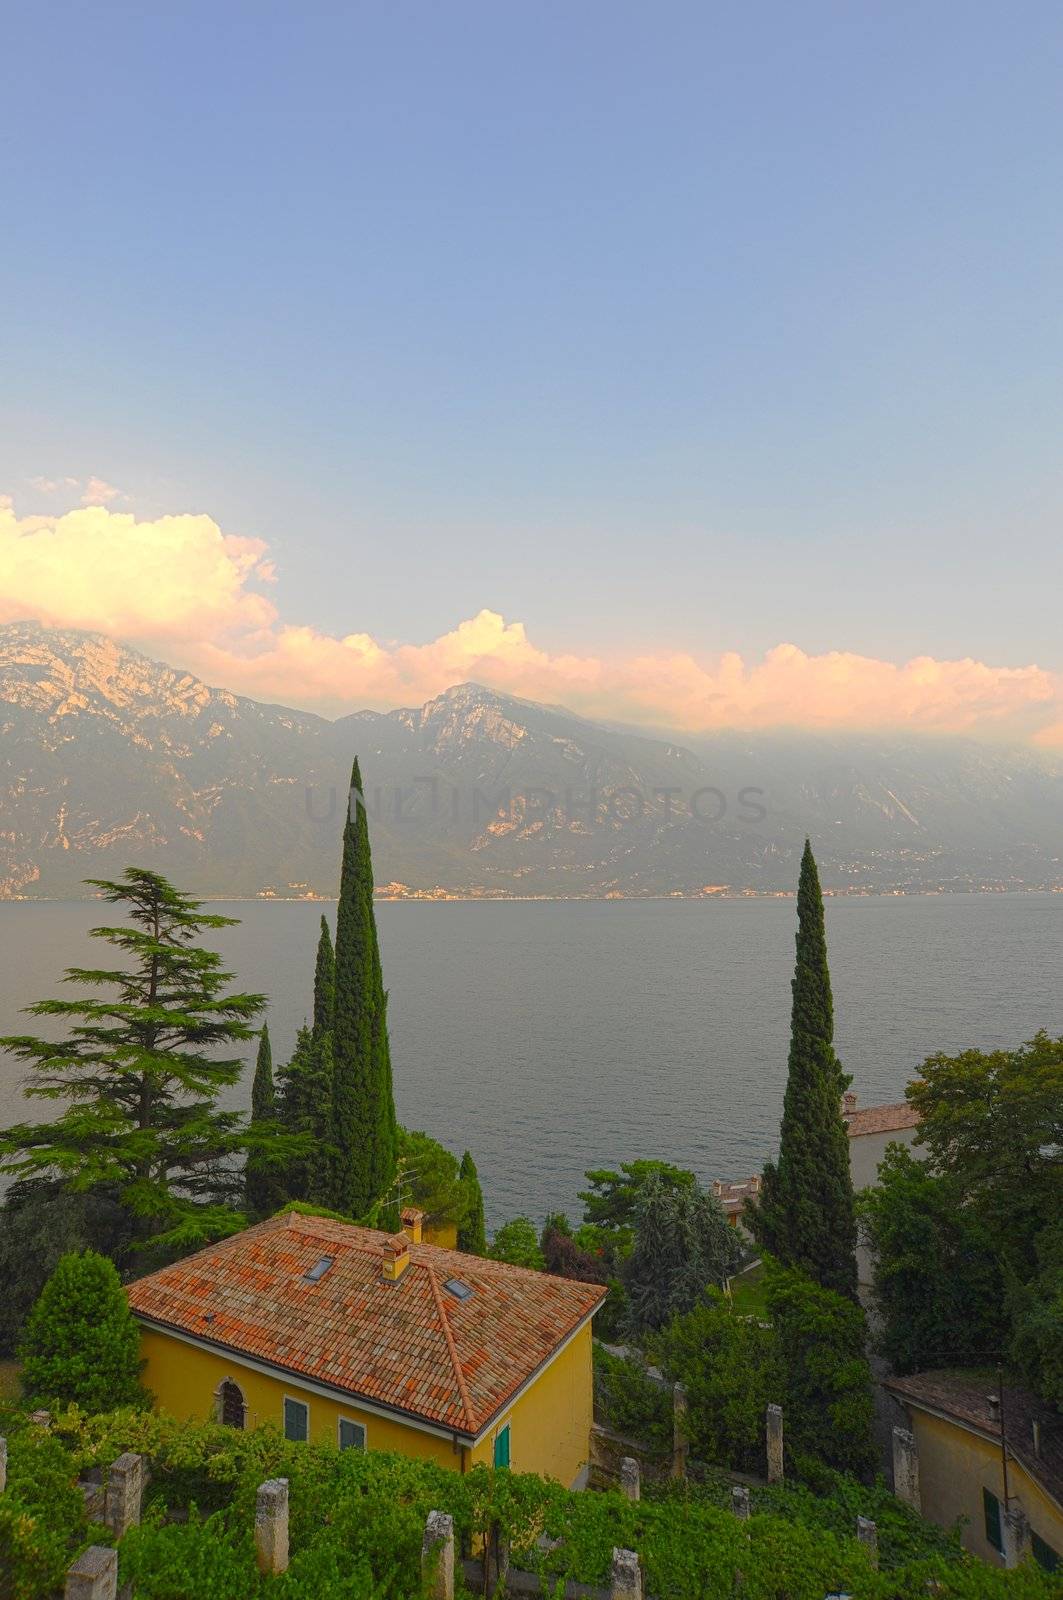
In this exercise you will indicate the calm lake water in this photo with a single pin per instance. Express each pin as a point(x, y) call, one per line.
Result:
point(552, 1037)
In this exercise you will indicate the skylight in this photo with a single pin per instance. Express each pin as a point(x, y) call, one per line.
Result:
point(318, 1270)
point(460, 1290)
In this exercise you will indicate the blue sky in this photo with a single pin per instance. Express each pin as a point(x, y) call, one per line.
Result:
point(675, 326)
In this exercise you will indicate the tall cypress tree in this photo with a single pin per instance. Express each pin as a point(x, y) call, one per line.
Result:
point(263, 1179)
point(363, 1105)
point(324, 981)
point(472, 1234)
point(306, 1109)
point(805, 1216)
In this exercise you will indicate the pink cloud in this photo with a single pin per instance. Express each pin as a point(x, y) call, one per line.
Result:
point(180, 586)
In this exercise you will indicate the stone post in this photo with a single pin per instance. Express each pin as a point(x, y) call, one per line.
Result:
point(905, 1468)
point(1015, 1531)
point(630, 1479)
point(867, 1534)
point(740, 1502)
point(437, 1556)
point(680, 1445)
point(41, 1419)
point(271, 1526)
point(94, 1575)
point(625, 1580)
point(3, 1465)
point(125, 1489)
point(775, 1456)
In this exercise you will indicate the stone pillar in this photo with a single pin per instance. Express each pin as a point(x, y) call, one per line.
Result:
point(1015, 1531)
point(94, 1575)
point(867, 1534)
point(41, 1419)
point(125, 1489)
point(625, 1580)
point(775, 1456)
point(271, 1526)
point(630, 1479)
point(740, 1502)
point(3, 1465)
point(905, 1468)
point(437, 1556)
point(680, 1445)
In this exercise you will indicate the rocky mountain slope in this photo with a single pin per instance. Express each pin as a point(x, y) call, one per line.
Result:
point(108, 757)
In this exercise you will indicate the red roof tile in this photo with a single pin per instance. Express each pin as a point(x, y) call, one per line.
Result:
point(882, 1119)
point(410, 1345)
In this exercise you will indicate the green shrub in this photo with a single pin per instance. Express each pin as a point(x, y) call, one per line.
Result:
point(629, 1401)
point(42, 1517)
point(81, 1343)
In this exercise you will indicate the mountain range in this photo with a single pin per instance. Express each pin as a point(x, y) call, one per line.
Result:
point(110, 758)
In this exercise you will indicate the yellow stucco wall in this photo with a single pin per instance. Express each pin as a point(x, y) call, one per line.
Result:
point(549, 1424)
point(956, 1465)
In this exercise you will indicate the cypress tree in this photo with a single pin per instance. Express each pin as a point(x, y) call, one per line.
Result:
point(805, 1216)
point(306, 1109)
point(324, 981)
point(263, 1179)
point(364, 1129)
point(472, 1234)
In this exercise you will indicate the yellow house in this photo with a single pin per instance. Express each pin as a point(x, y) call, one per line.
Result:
point(375, 1341)
point(991, 1458)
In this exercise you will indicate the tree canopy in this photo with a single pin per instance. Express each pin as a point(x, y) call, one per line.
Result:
point(141, 1071)
point(805, 1215)
point(81, 1343)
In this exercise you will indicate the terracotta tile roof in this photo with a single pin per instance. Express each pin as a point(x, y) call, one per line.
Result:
point(881, 1119)
point(410, 1345)
point(963, 1396)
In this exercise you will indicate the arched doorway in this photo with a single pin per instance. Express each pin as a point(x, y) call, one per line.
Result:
point(231, 1409)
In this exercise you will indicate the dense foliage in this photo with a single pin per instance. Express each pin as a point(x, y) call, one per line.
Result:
point(81, 1344)
point(472, 1233)
point(938, 1288)
point(518, 1243)
point(356, 1522)
point(429, 1177)
point(363, 1132)
point(39, 1223)
point(264, 1186)
point(805, 1215)
point(683, 1243)
point(140, 1075)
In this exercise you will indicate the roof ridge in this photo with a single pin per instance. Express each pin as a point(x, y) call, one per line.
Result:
point(463, 1388)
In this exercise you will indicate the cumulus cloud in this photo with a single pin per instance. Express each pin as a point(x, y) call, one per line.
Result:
point(180, 586)
point(98, 492)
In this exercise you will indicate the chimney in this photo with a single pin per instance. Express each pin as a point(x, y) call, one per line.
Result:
point(848, 1103)
point(412, 1223)
point(396, 1256)
point(993, 1402)
point(717, 1186)
point(1037, 1440)
point(754, 1183)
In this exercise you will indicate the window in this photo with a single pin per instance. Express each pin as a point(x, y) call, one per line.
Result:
point(351, 1435)
point(459, 1289)
point(502, 1447)
point(318, 1270)
point(296, 1420)
point(1043, 1553)
point(231, 1408)
point(993, 1530)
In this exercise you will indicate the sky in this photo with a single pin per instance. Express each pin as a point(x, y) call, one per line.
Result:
point(692, 364)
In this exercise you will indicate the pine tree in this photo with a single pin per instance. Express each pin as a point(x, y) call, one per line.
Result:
point(305, 1107)
point(472, 1234)
point(683, 1243)
point(324, 981)
point(805, 1216)
point(139, 1075)
point(364, 1129)
point(263, 1179)
point(81, 1344)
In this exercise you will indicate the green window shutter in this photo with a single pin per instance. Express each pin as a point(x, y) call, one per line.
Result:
point(1043, 1553)
point(993, 1532)
point(352, 1435)
point(502, 1447)
point(296, 1421)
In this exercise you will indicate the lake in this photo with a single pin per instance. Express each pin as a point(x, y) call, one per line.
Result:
point(549, 1037)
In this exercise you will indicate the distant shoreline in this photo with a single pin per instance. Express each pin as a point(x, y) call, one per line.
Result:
point(427, 899)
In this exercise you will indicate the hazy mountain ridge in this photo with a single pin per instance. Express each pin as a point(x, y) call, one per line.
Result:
point(109, 757)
